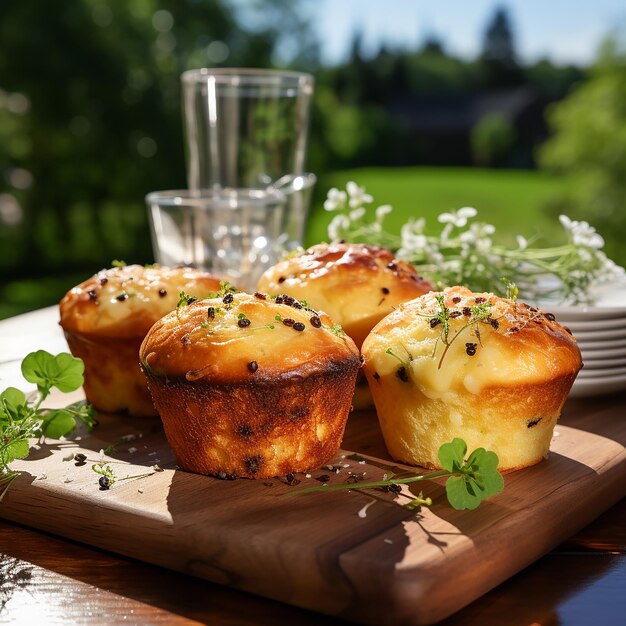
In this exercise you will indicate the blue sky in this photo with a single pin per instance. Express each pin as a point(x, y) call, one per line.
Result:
point(567, 31)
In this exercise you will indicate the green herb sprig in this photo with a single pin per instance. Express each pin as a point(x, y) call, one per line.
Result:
point(22, 419)
point(470, 480)
point(108, 478)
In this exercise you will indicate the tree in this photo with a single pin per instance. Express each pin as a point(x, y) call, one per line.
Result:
point(498, 53)
point(492, 139)
point(90, 118)
point(589, 148)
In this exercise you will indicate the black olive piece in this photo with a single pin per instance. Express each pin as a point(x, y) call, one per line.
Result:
point(316, 321)
point(253, 366)
point(162, 293)
point(402, 374)
point(243, 322)
point(299, 326)
point(104, 482)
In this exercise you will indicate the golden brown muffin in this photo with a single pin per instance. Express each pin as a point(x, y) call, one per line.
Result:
point(470, 365)
point(355, 284)
point(106, 318)
point(249, 387)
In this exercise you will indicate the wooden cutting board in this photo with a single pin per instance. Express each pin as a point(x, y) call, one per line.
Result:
point(385, 566)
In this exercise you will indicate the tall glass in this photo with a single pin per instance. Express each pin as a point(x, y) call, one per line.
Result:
point(244, 128)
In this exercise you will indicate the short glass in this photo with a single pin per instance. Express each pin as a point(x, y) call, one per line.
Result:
point(234, 233)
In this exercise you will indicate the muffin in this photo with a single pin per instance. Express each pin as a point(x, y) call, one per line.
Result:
point(472, 365)
point(106, 318)
point(250, 386)
point(355, 284)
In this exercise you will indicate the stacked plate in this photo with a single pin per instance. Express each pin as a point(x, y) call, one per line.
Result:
point(600, 331)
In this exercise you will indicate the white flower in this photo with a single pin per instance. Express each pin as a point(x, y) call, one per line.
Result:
point(357, 214)
point(458, 218)
point(478, 235)
point(412, 237)
point(522, 242)
point(335, 199)
point(582, 233)
point(357, 195)
point(382, 211)
point(337, 226)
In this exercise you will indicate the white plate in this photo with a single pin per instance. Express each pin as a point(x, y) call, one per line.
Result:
point(599, 364)
point(615, 334)
point(610, 302)
point(595, 354)
point(595, 325)
point(604, 372)
point(601, 344)
point(586, 388)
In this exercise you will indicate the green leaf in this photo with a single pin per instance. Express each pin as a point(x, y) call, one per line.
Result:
point(85, 413)
point(452, 455)
point(62, 371)
point(12, 405)
point(460, 494)
point(14, 450)
point(58, 423)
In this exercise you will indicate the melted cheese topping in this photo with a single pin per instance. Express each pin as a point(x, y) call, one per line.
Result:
point(209, 340)
point(515, 345)
point(125, 302)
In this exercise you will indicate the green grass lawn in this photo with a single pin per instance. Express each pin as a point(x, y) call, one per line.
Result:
point(510, 200)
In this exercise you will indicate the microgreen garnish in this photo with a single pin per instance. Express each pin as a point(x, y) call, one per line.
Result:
point(267, 326)
point(225, 288)
point(108, 478)
point(22, 419)
point(184, 299)
point(470, 480)
point(479, 313)
point(337, 330)
point(118, 264)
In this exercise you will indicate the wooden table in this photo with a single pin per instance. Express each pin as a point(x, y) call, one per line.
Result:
point(45, 579)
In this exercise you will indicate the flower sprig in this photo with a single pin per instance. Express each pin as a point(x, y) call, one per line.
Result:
point(465, 253)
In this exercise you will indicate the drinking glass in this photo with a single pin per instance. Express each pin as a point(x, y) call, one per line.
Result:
point(235, 234)
point(244, 128)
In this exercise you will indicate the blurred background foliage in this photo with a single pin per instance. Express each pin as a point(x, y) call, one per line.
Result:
point(90, 122)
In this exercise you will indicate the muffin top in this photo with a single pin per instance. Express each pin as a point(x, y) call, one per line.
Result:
point(356, 284)
point(457, 340)
point(124, 302)
point(240, 338)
